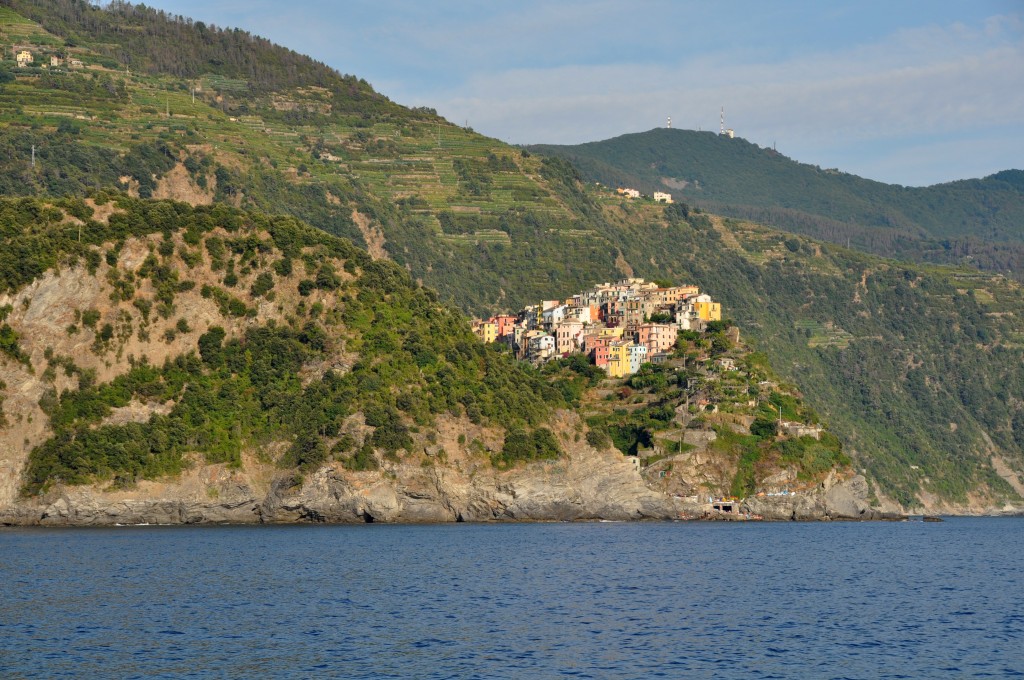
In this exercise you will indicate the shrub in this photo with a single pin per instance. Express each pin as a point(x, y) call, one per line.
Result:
point(363, 459)
point(763, 428)
point(90, 317)
point(263, 284)
point(598, 439)
point(283, 267)
point(522, 446)
point(307, 453)
point(9, 344)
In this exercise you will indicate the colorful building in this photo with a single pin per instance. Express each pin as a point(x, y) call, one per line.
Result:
point(637, 357)
point(487, 331)
point(618, 358)
point(707, 310)
point(609, 322)
point(567, 336)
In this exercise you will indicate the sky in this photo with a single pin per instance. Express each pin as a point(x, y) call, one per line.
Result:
point(908, 92)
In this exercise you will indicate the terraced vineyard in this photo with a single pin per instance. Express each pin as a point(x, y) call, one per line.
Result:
point(824, 334)
point(14, 27)
point(411, 158)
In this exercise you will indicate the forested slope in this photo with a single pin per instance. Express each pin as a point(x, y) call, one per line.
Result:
point(979, 222)
point(221, 333)
point(920, 370)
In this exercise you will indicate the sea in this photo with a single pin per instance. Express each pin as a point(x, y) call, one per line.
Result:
point(585, 600)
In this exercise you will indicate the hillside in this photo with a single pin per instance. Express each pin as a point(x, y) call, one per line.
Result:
point(161, 359)
point(164, 363)
point(919, 370)
point(979, 222)
point(492, 227)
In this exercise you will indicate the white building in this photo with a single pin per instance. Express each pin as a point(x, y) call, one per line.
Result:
point(637, 356)
point(540, 347)
point(553, 316)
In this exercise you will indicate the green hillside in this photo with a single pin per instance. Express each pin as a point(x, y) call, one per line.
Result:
point(338, 156)
point(916, 365)
point(919, 369)
point(978, 222)
point(259, 335)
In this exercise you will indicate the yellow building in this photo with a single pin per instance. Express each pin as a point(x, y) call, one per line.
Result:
point(708, 311)
point(24, 58)
point(618, 359)
point(486, 330)
point(612, 332)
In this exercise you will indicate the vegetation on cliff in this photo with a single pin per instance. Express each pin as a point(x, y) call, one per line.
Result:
point(369, 341)
point(714, 384)
point(917, 368)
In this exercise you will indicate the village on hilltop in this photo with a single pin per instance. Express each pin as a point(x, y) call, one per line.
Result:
point(619, 326)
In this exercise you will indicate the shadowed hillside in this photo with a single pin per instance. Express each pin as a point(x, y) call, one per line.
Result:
point(978, 222)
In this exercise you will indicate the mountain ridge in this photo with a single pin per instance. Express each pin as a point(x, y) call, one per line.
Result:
point(973, 221)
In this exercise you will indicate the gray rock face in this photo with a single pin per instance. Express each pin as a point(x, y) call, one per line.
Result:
point(592, 487)
point(832, 500)
point(584, 485)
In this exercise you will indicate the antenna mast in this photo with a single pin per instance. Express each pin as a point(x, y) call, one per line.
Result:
point(669, 123)
point(721, 125)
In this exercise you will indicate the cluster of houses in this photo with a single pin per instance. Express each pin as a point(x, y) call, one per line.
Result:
point(659, 196)
point(619, 326)
point(25, 57)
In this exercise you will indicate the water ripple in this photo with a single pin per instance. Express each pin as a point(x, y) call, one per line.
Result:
point(516, 601)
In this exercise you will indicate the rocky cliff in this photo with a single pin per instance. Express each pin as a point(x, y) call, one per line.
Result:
point(164, 363)
point(367, 401)
point(585, 484)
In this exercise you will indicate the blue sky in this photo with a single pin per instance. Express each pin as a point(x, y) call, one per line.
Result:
point(911, 93)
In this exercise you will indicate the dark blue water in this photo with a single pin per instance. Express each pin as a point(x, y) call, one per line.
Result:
point(516, 601)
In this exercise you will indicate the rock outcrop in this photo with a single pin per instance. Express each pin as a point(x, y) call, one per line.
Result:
point(585, 484)
point(832, 499)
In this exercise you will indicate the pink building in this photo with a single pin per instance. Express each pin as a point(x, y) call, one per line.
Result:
point(506, 324)
point(596, 346)
point(657, 337)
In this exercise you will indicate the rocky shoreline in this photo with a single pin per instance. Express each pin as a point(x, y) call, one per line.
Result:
point(576, 489)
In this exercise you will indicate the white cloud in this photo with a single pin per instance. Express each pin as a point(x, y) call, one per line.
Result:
point(818, 80)
point(920, 82)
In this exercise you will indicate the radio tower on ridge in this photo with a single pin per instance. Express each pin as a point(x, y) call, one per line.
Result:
point(669, 125)
point(724, 131)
